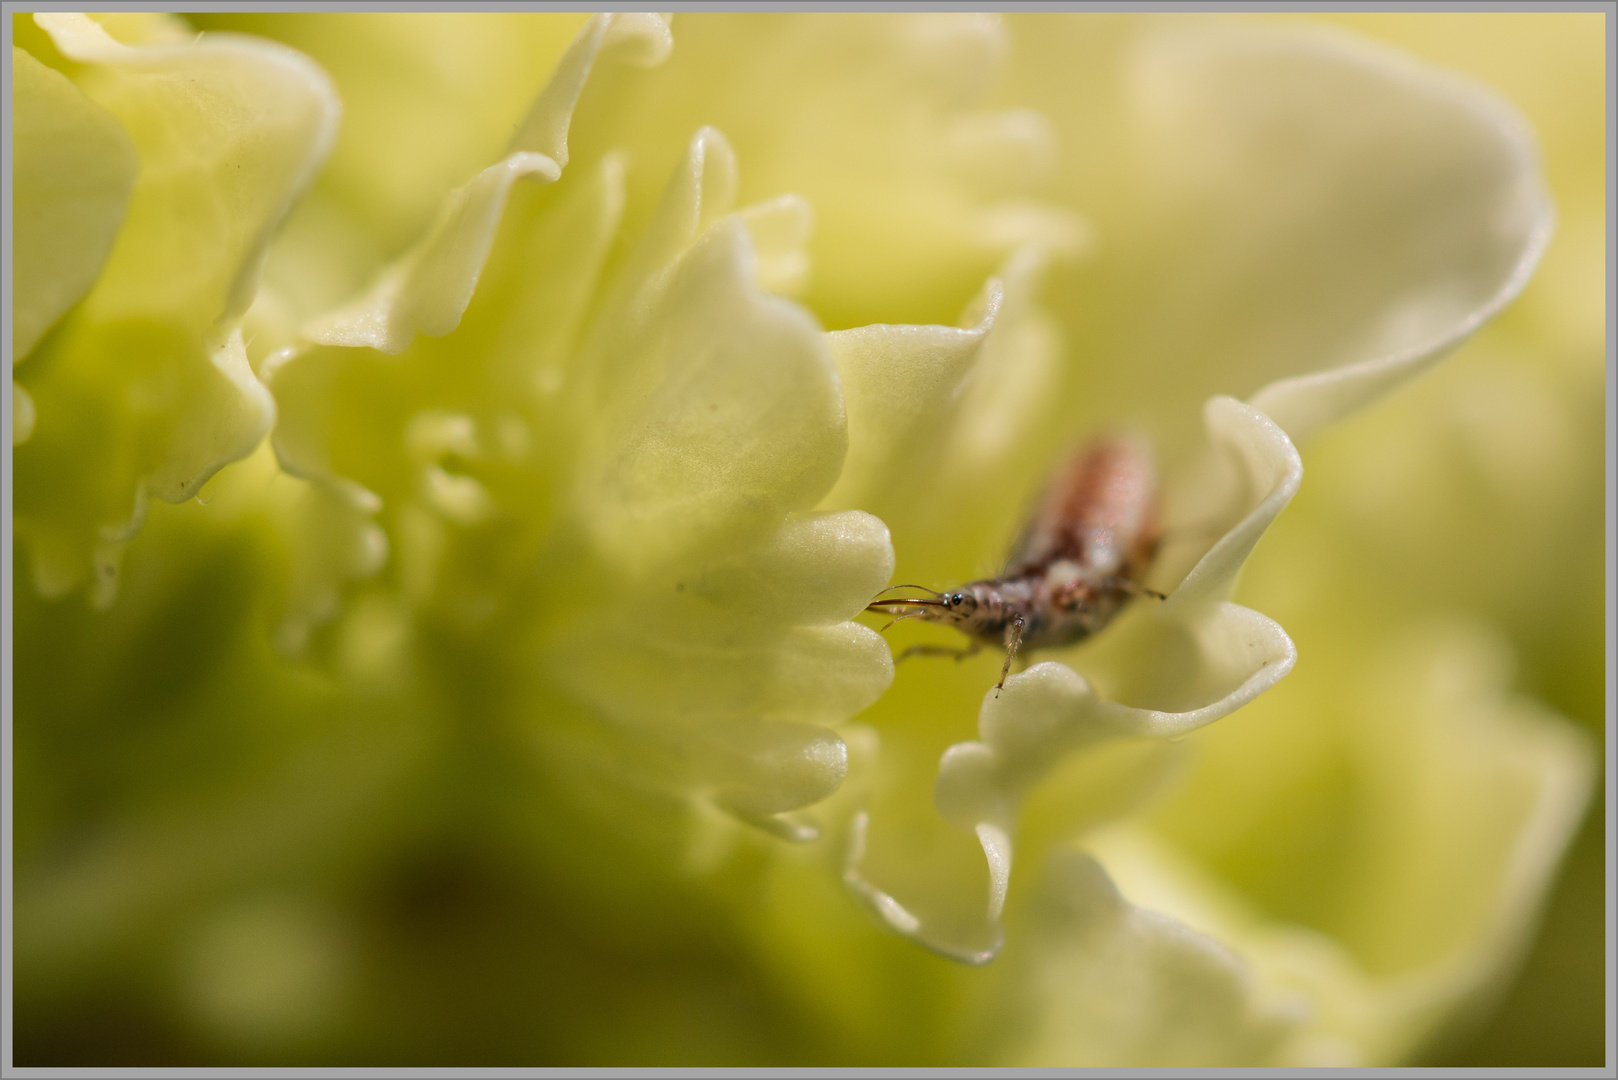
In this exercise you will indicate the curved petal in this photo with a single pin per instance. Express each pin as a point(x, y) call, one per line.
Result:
point(780, 228)
point(1477, 794)
point(74, 169)
point(731, 668)
point(815, 570)
point(1462, 798)
point(1184, 663)
point(970, 405)
point(1255, 473)
point(528, 295)
point(900, 385)
point(428, 289)
point(878, 121)
point(430, 98)
point(1439, 210)
point(228, 131)
point(643, 38)
point(257, 120)
point(700, 189)
point(1100, 981)
point(1276, 201)
point(719, 405)
point(942, 924)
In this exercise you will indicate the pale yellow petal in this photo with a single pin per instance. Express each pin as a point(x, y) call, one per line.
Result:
point(1463, 797)
point(643, 38)
point(428, 289)
point(721, 411)
point(1276, 202)
point(74, 168)
point(1102, 982)
point(900, 385)
point(148, 392)
point(230, 130)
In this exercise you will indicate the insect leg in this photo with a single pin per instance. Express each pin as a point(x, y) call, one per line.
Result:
point(940, 650)
point(1013, 641)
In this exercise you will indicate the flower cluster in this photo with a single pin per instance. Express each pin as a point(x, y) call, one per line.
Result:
point(475, 514)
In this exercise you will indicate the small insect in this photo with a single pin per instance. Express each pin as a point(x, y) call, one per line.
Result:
point(1078, 562)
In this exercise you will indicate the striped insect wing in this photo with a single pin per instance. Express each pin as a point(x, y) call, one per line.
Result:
point(1100, 513)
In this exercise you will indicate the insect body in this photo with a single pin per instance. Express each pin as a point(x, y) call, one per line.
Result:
point(1078, 562)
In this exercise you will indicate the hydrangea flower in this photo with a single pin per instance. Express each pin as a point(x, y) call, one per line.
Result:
point(494, 495)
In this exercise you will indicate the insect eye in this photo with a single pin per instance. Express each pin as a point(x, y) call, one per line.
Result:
point(954, 599)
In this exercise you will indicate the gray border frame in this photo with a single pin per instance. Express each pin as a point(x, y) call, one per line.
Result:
point(7, 584)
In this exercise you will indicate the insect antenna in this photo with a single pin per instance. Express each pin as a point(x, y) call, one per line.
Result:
point(902, 601)
point(901, 607)
point(923, 588)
